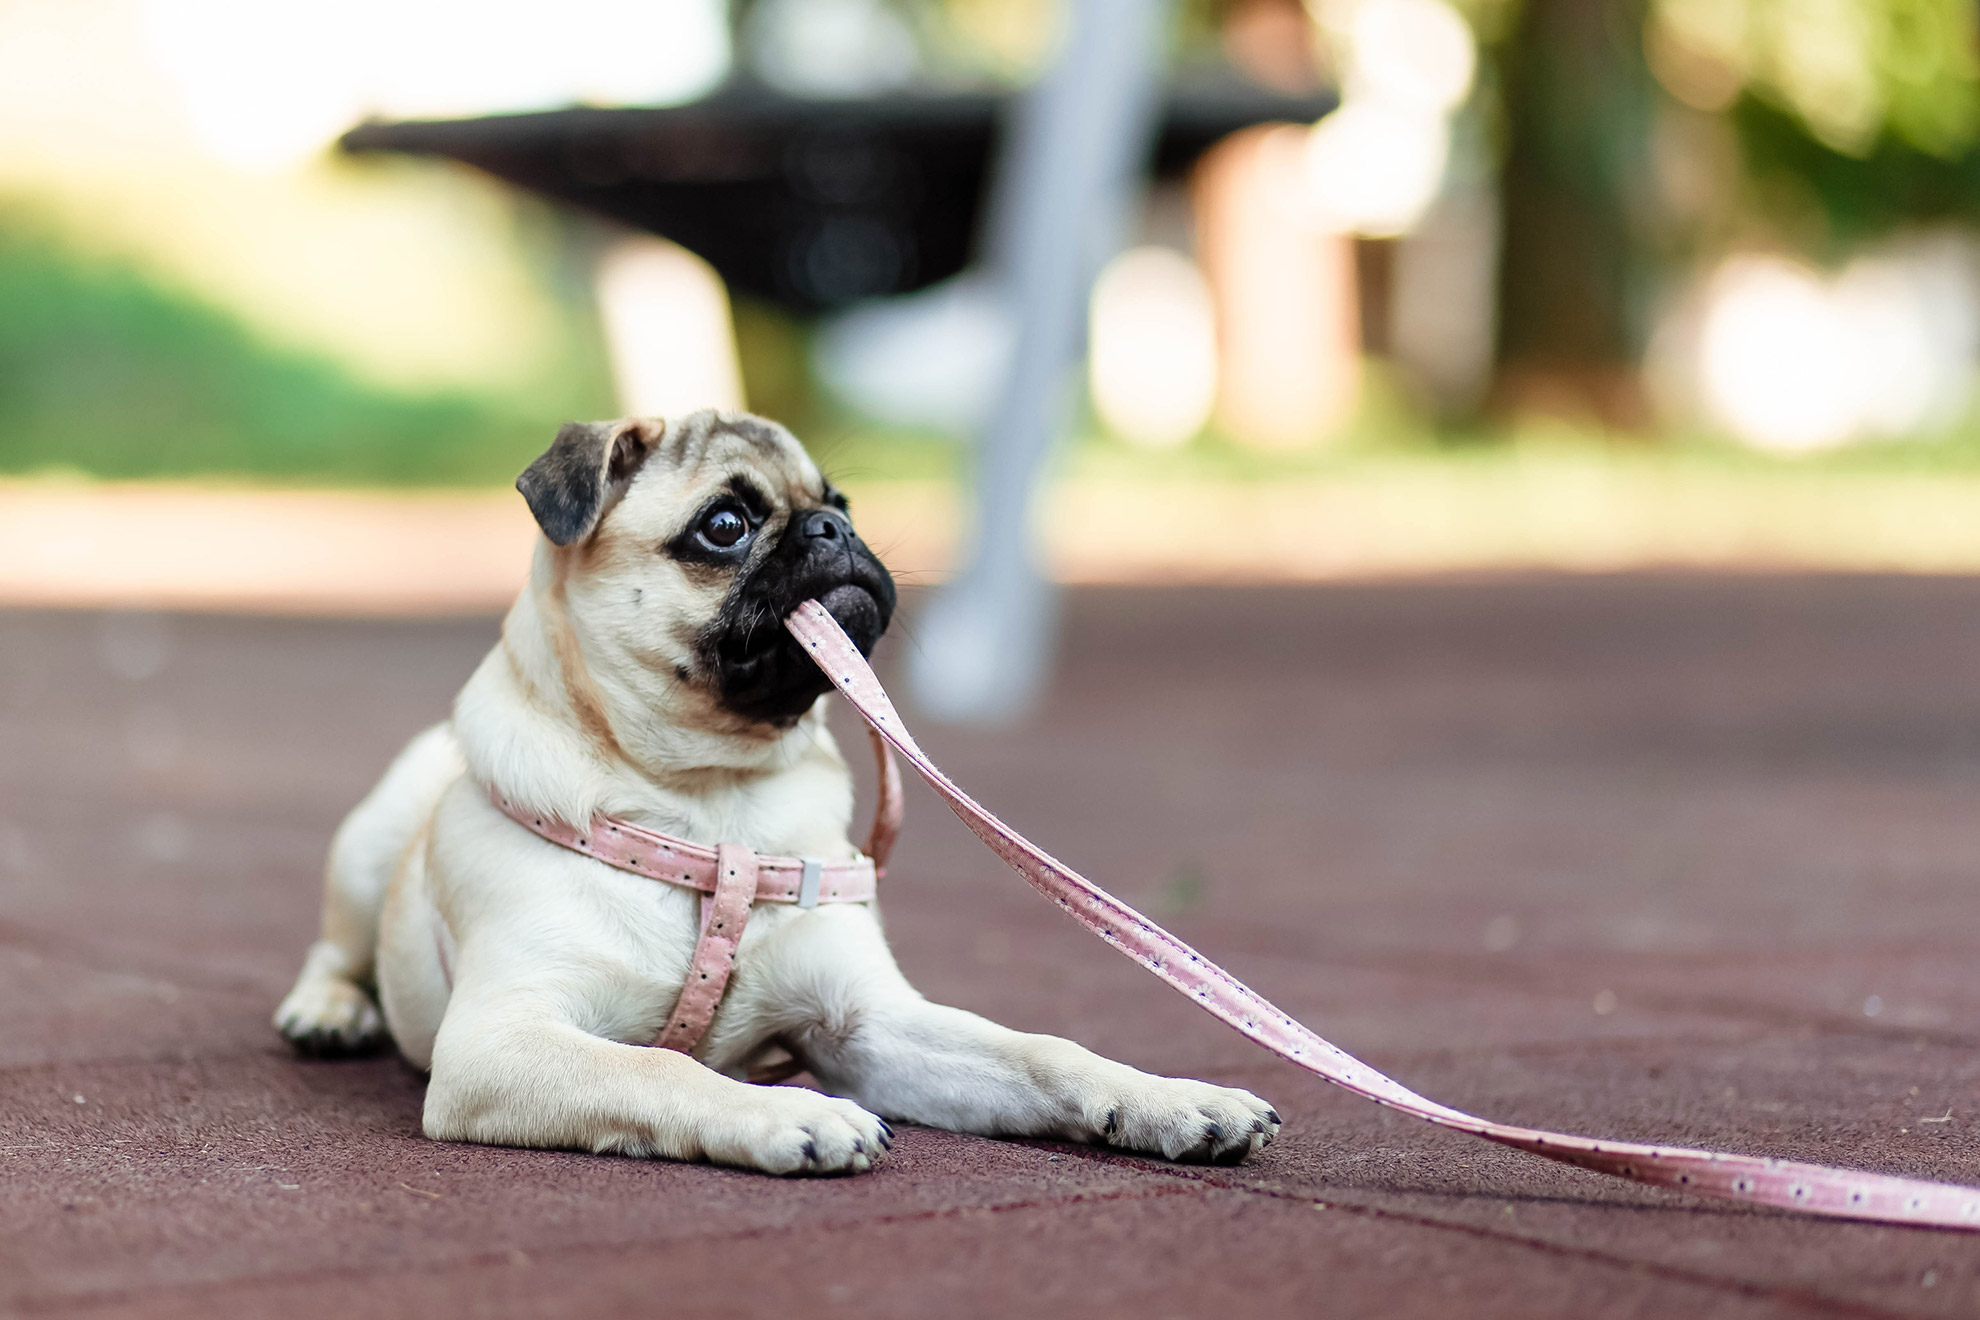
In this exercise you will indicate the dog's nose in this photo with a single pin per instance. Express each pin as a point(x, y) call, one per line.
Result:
point(827, 525)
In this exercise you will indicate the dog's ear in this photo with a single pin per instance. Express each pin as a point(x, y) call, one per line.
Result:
point(585, 468)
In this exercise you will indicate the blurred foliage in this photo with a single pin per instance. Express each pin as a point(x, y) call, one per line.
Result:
point(850, 450)
point(999, 41)
point(774, 348)
point(105, 371)
point(1832, 202)
point(1491, 20)
point(1853, 117)
point(1388, 434)
point(1849, 70)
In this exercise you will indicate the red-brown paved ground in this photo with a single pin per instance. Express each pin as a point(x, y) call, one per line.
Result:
point(1436, 821)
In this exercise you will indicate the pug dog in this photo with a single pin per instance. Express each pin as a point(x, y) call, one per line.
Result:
point(644, 674)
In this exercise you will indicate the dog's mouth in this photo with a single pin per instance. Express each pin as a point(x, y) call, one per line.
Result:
point(760, 671)
point(853, 607)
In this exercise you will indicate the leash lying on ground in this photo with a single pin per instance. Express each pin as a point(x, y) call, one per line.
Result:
point(1842, 1193)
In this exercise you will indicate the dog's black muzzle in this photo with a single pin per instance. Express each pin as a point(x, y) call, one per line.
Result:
point(759, 670)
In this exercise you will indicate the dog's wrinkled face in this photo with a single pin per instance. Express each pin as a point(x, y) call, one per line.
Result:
point(684, 546)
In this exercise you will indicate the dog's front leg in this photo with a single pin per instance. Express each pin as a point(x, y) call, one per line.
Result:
point(905, 1057)
point(509, 1071)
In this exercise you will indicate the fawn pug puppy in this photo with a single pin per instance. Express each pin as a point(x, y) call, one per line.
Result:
point(644, 674)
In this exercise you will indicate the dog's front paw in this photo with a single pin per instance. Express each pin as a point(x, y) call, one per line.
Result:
point(328, 1016)
point(1190, 1122)
point(788, 1130)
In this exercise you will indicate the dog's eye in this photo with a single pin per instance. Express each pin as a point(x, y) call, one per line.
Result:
point(724, 529)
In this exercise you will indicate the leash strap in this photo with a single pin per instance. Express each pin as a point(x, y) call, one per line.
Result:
point(888, 811)
point(1811, 1188)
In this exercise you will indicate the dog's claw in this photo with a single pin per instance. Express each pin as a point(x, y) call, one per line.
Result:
point(795, 1132)
point(330, 1017)
point(320, 1044)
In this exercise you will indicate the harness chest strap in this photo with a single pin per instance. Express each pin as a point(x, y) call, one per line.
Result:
point(723, 915)
point(1813, 1188)
point(731, 878)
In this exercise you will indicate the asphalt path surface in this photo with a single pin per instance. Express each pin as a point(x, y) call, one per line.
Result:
point(1678, 859)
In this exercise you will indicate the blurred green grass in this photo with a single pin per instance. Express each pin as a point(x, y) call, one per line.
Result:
point(108, 373)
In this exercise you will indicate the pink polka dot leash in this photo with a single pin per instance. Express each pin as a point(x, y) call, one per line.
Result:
point(1811, 1188)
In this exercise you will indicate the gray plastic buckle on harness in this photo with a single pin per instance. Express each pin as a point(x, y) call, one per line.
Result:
point(808, 882)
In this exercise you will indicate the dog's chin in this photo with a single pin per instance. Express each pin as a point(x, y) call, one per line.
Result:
point(854, 609)
point(774, 681)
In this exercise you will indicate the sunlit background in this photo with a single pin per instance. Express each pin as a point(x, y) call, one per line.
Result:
point(1561, 282)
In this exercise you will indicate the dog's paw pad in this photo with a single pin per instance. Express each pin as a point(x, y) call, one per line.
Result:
point(330, 1018)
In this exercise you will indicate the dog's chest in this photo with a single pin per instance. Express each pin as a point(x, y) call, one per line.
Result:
point(641, 936)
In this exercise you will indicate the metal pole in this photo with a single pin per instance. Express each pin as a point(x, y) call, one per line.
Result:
point(1068, 180)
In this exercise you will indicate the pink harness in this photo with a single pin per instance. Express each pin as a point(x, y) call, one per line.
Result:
point(732, 879)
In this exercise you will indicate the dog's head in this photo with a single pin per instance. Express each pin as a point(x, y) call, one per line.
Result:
point(682, 546)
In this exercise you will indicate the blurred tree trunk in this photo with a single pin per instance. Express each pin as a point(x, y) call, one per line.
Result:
point(1573, 277)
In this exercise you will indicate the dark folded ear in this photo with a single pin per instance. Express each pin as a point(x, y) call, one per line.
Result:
point(584, 470)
